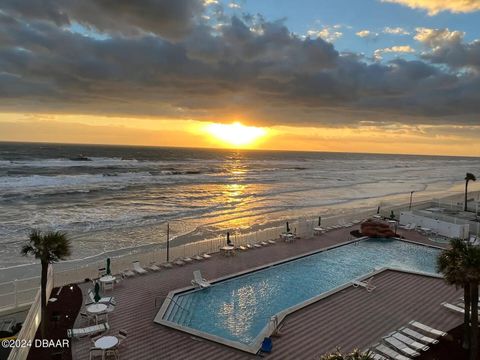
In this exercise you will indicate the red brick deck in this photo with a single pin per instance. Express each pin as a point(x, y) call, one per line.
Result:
point(350, 318)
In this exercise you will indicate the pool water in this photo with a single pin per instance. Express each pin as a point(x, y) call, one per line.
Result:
point(238, 309)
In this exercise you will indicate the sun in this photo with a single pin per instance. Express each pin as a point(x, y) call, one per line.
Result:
point(235, 134)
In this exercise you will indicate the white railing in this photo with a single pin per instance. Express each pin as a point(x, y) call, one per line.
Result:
point(18, 293)
point(32, 321)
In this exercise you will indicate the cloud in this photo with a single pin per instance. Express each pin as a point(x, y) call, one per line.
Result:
point(433, 7)
point(395, 31)
point(444, 46)
point(194, 69)
point(233, 5)
point(367, 34)
point(405, 49)
point(328, 33)
point(168, 18)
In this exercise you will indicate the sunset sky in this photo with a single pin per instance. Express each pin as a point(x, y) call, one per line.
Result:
point(388, 76)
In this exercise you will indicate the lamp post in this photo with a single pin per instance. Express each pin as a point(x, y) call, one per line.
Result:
point(168, 242)
point(411, 197)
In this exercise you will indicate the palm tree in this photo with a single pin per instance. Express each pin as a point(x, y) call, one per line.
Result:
point(450, 264)
point(354, 355)
point(469, 177)
point(460, 266)
point(48, 248)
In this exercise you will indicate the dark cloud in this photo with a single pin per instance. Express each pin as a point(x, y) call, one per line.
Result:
point(159, 58)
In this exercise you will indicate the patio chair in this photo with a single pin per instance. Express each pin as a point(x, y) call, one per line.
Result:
point(102, 272)
point(198, 280)
point(383, 349)
point(365, 284)
point(400, 346)
point(95, 353)
point(104, 300)
point(138, 269)
point(86, 318)
point(86, 331)
point(409, 341)
point(416, 335)
point(419, 325)
point(122, 336)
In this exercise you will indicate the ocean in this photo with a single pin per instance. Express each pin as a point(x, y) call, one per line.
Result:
point(117, 197)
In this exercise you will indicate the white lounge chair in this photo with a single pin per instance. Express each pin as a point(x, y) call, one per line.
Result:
point(383, 349)
point(376, 356)
point(198, 258)
point(272, 242)
point(410, 342)
point(452, 307)
point(103, 300)
point(138, 269)
point(166, 265)
point(365, 284)
point(198, 280)
point(128, 273)
point(90, 330)
point(416, 335)
point(401, 346)
point(435, 332)
point(206, 256)
point(154, 267)
point(179, 262)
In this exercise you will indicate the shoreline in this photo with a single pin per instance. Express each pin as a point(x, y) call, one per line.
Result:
point(31, 270)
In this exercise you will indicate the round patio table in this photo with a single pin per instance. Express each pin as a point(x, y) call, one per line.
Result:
point(106, 342)
point(107, 279)
point(96, 308)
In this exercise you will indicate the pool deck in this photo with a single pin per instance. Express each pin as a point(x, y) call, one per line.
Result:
point(350, 318)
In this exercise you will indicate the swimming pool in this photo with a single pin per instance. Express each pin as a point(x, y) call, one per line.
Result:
point(238, 310)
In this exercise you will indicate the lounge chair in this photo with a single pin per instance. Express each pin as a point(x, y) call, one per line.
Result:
point(257, 245)
point(454, 308)
point(241, 247)
point(264, 243)
point(416, 335)
point(401, 346)
point(187, 259)
point(166, 265)
point(198, 280)
point(198, 258)
point(249, 246)
point(104, 300)
point(206, 256)
point(409, 341)
point(128, 273)
point(89, 330)
point(153, 267)
point(179, 262)
point(272, 242)
point(365, 284)
point(419, 325)
point(138, 269)
point(383, 349)
point(376, 356)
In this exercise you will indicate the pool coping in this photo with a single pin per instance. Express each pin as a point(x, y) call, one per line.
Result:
point(267, 331)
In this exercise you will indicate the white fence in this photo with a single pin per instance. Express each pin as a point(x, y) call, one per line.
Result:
point(32, 321)
point(440, 227)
